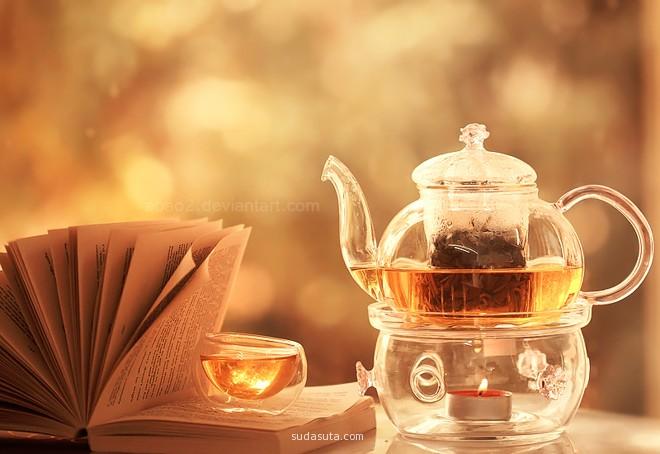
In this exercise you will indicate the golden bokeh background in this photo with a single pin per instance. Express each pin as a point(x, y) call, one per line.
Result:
point(114, 110)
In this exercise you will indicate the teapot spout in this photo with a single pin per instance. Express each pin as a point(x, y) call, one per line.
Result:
point(356, 230)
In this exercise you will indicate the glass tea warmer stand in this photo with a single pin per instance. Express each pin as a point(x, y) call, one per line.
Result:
point(478, 301)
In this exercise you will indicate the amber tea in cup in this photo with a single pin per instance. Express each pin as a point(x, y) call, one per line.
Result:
point(246, 372)
point(251, 375)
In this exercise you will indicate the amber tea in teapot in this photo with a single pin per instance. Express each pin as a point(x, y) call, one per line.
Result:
point(456, 292)
point(478, 241)
point(480, 272)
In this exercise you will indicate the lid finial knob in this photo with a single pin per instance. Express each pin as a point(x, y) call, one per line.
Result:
point(473, 136)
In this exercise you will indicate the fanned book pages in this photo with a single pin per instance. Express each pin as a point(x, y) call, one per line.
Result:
point(99, 322)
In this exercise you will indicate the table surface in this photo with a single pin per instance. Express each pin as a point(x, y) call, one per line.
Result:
point(590, 432)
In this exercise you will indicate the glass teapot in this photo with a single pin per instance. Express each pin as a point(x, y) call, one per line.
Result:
point(478, 241)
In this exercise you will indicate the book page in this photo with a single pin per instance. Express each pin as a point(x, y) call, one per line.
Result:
point(121, 245)
point(51, 378)
point(315, 402)
point(37, 275)
point(60, 252)
point(22, 421)
point(28, 314)
point(154, 260)
point(20, 385)
point(157, 368)
point(16, 335)
point(199, 250)
point(89, 244)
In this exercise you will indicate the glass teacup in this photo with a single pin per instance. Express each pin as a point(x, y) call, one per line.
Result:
point(247, 372)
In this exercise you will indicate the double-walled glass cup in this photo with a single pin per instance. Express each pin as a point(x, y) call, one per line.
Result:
point(249, 373)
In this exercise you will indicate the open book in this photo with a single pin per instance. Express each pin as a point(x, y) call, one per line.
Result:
point(98, 322)
point(322, 415)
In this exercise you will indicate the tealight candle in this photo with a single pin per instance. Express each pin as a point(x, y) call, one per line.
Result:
point(481, 404)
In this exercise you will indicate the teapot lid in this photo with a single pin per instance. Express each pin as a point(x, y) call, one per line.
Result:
point(473, 165)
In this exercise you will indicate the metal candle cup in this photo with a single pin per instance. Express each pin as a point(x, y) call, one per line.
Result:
point(479, 404)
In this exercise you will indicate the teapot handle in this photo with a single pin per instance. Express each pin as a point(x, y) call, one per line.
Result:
point(639, 223)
